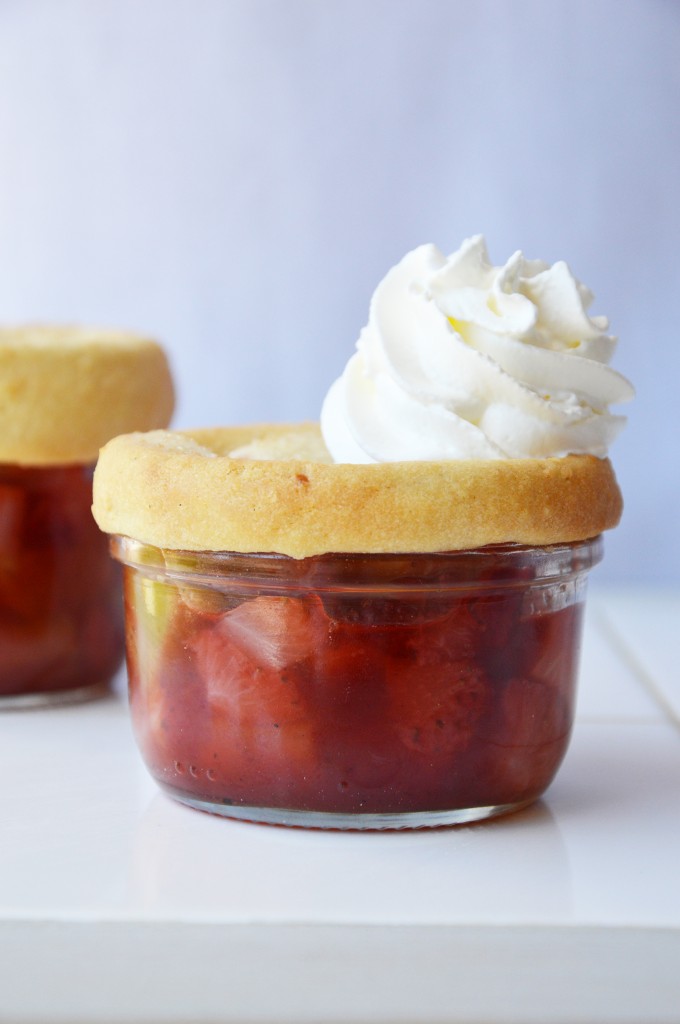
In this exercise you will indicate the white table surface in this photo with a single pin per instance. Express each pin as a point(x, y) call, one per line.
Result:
point(119, 905)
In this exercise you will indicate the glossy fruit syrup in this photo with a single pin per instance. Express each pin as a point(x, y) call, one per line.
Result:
point(355, 687)
point(61, 614)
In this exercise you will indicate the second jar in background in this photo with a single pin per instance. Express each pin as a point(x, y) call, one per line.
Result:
point(64, 391)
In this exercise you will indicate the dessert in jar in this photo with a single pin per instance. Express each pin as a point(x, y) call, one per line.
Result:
point(375, 622)
point(64, 392)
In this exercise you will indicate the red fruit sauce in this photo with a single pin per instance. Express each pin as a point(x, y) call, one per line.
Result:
point(354, 685)
point(61, 613)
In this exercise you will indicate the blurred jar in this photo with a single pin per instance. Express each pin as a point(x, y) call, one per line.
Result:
point(64, 392)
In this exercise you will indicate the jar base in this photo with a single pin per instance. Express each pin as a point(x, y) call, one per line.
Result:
point(349, 822)
point(53, 698)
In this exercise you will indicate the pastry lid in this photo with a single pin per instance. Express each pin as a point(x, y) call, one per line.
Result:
point(195, 490)
point(66, 390)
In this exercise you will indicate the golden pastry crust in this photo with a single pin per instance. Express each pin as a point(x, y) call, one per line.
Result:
point(183, 491)
point(65, 391)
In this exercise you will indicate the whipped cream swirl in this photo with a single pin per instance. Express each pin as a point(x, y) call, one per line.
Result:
point(464, 360)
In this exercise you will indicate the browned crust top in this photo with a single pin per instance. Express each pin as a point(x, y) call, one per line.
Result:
point(65, 391)
point(182, 490)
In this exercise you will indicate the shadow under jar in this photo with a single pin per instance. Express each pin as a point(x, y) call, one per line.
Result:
point(355, 691)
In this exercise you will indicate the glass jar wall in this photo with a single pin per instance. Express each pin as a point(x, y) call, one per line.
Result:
point(355, 691)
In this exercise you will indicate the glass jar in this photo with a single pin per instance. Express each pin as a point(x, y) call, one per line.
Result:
point(65, 391)
point(61, 610)
point(355, 691)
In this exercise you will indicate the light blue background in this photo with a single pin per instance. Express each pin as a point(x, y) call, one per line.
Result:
point(235, 177)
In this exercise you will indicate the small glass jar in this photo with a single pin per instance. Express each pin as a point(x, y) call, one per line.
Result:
point(355, 691)
point(61, 613)
point(64, 392)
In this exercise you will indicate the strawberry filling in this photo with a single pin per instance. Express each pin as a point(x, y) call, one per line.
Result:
point(61, 616)
point(340, 699)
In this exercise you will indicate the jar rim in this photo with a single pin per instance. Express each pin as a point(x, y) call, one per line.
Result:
point(495, 566)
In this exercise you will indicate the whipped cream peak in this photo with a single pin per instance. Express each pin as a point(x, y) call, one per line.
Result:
point(462, 359)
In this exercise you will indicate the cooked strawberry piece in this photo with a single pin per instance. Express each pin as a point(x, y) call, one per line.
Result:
point(169, 710)
point(527, 734)
point(249, 696)
point(553, 654)
point(348, 663)
point(436, 688)
point(346, 692)
point(273, 632)
point(457, 636)
point(530, 740)
point(533, 714)
point(435, 707)
point(498, 614)
point(255, 734)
